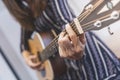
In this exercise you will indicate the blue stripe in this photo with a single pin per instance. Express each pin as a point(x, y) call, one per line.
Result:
point(56, 13)
point(64, 10)
point(102, 56)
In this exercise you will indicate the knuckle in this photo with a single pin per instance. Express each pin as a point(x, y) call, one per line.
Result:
point(67, 27)
point(63, 41)
point(63, 56)
point(60, 41)
point(72, 36)
point(78, 50)
point(71, 54)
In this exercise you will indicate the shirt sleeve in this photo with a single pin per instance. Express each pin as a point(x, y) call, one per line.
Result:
point(56, 14)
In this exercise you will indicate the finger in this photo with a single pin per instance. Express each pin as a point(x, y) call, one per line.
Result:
point(64, 41)
point(78, 55)
point(61, 52)
point(72, 34)
point(82, 38)
point(62, 34)
point(75, 56)
point(25, 54)
point(77, 52)
point(81, 45)
point(64, 44)
point(66, 51)
point(34, 65)
point(42, 67)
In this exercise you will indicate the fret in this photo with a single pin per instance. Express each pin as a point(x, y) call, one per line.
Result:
point(83, 16)
point(49, 51)
point(42, 56)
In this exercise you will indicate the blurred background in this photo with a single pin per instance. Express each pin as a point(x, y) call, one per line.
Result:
point(12, 65)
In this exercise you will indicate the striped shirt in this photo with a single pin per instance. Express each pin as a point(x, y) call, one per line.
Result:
point(98, 63)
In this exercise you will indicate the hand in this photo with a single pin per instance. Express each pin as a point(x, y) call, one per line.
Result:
point(31, 61)
point(70, 45)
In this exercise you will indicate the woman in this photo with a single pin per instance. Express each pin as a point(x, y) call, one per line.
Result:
point(39, 15)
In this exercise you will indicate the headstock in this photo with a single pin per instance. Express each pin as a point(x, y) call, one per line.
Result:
point(103, 13)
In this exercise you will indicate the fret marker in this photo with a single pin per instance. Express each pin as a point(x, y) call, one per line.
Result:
point(78, 26)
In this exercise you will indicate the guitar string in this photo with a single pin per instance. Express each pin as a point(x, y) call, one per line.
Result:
point(115, 7)
point(101, 18)
point(84, 25)
point(97, 19)
point(73, 25)
point(86, 13)
point(54, 42)
point(95, 6)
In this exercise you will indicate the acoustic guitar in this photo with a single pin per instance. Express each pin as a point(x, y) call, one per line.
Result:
point(45, 44)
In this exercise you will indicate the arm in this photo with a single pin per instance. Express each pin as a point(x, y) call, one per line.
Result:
point(56, 14)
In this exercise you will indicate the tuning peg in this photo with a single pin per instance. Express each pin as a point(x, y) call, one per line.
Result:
point(109, 5)
point(115, 15)
point(98, 24)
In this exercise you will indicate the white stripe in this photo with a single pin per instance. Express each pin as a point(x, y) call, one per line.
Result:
point(74, 65)
point(103, 60)
point(84, 72)
point(106, 50)
point(109, 53)
point(67, 9)
point(37, 28)
point(46, 16)
point(60, 13)
point(108, 78)
point(38, 23)
point(68, 66)
point(68, 75)
point(78, 74)
point(93, 63)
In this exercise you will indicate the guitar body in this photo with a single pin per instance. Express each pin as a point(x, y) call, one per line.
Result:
point(55, 65)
